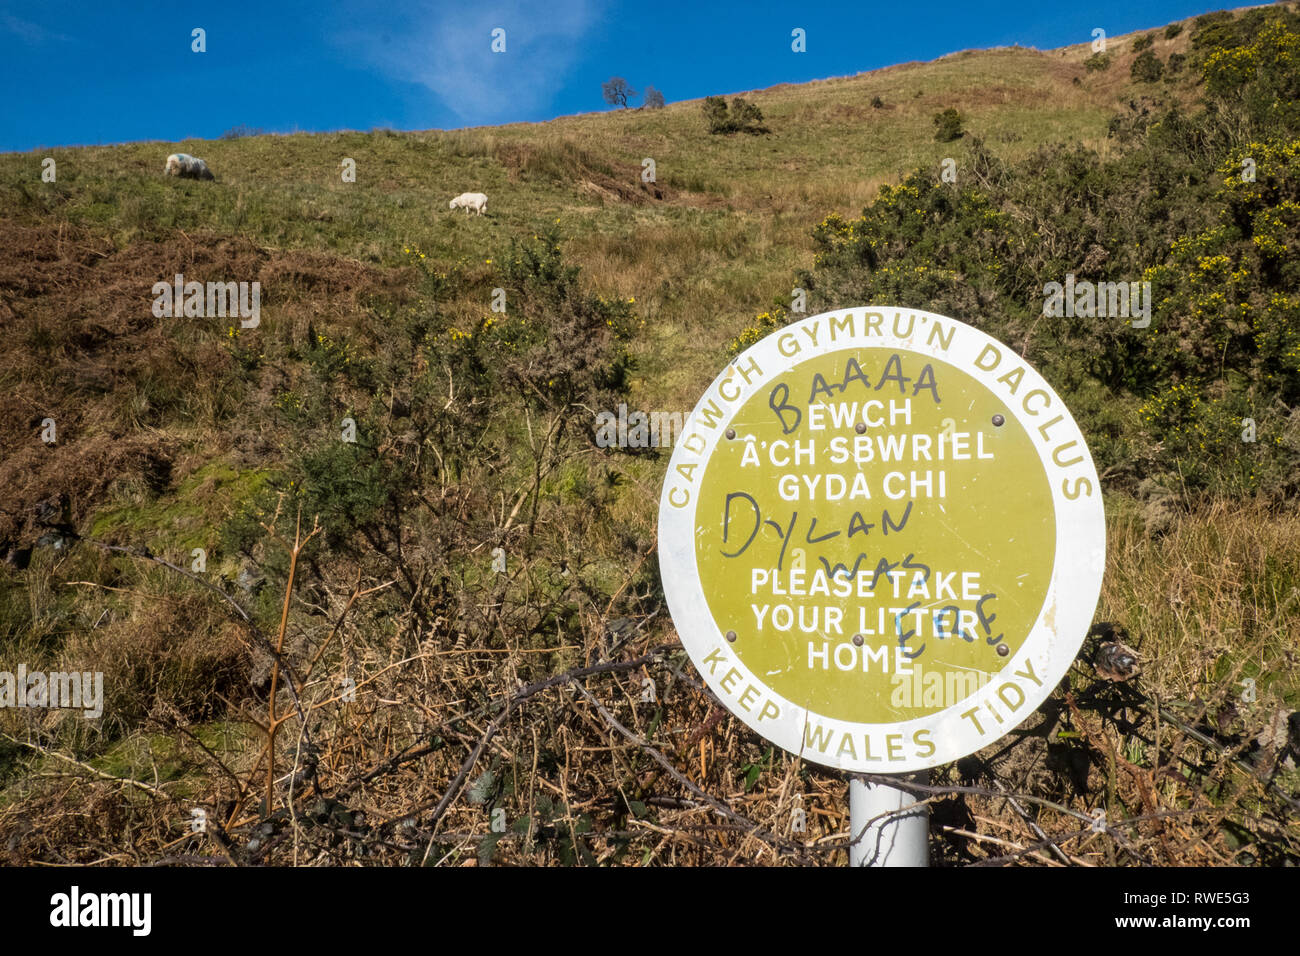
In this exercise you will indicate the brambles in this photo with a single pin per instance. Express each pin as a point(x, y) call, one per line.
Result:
point(1143, 42)
point(1097, 62)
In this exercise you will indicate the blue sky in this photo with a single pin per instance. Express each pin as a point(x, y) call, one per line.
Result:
point(109, 72)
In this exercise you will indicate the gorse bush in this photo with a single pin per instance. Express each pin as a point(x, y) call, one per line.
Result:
point(947, 125)
point(559, 345)
point(716, 116)
point(1147, 68)
point(1205, 207)
point(445, 391)
point(1097, 62)
point(1216, 30)
point(741, 117)
point(745, 116)
point(1258, 81)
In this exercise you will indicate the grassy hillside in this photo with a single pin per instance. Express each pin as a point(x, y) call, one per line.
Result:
point(474, 433)
point(734, 219)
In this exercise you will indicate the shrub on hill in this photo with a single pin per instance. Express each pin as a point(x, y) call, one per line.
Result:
point(1219, 30)
point(458, 390)
point(1097, 62)
point(1147, 68)
point(241, 131)
point(947, 125)
point(1205, 207)
point(1258, 82)
point(741, 117)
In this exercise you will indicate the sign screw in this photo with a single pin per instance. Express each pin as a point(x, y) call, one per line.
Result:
point(860, 428)
point(998, 420)
point(731, 636)
point(1003, 650)
point(858, 639)
point(731, 433)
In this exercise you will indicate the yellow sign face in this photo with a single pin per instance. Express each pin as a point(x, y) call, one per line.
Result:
point(881, 539)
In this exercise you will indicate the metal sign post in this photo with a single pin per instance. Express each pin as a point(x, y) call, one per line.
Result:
point(887, 825)
point(881, 539)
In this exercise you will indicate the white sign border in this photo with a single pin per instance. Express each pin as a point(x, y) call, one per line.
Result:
point(1072, 594)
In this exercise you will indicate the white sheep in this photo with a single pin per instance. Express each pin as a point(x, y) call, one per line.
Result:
point(468, 201)
point(187, 167)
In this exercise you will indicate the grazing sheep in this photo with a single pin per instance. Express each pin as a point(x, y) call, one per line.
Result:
point(187, 167)
point(468, 201)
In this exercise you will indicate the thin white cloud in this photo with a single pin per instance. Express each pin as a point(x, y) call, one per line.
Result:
point(450, 53)
point(30, 33)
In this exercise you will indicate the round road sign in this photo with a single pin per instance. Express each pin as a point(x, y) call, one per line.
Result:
point(881, 538)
